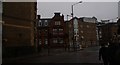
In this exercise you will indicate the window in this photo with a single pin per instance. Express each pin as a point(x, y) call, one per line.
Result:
point(75, 30)
point(81, 26)
point(87, 26)
point(54, 33)
point(81, 31)
point(82, 37)
point(46, 23)
point(70, 25)
point(54, 29)
point(55, 40)
point(45, 30)
point(39, 41)
point(61, 33)
point(60, 29)
point(60, 40)
point(100, 32)
point(46, 41)
point(40, 23)
point(100, 36)
point(57, 23)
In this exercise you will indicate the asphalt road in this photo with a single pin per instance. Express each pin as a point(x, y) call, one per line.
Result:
point(88, 56)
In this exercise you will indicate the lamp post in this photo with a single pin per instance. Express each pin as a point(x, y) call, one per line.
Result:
point(74, 39)
point(68, 16)
point(72, 7)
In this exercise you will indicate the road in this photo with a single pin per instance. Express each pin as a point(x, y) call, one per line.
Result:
point(85, 56)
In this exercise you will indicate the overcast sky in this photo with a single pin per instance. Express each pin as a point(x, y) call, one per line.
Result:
point(101, 10)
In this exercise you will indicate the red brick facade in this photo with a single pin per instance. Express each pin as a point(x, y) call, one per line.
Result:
point(18, 27)
point(57, 31)
point(87, 34)
point(108, 31)
point(54, 32)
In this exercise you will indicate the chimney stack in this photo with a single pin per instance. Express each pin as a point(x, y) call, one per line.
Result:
point(57, 13)
point(38, 17)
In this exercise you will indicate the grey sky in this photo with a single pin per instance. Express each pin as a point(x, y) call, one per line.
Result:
point(101, 10)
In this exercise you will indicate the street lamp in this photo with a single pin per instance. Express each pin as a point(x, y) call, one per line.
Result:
point(74, 39)
point(72, 7)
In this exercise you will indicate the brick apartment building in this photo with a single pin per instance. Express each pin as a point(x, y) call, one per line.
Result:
point(88, 33)
point(18, 27)
point(52, 32)
point(73, 33)
point(107, 32)
point(57, 31)
point(82, 31)
point(43, 33)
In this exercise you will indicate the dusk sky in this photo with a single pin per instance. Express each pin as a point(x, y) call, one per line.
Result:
point(101, 10)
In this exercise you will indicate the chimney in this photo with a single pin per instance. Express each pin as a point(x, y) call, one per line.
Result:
point(38, 16)
point(57, 13)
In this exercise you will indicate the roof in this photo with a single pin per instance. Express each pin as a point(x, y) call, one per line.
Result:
point(45, 18)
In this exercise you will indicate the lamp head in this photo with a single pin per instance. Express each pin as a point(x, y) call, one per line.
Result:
point(80, 2)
